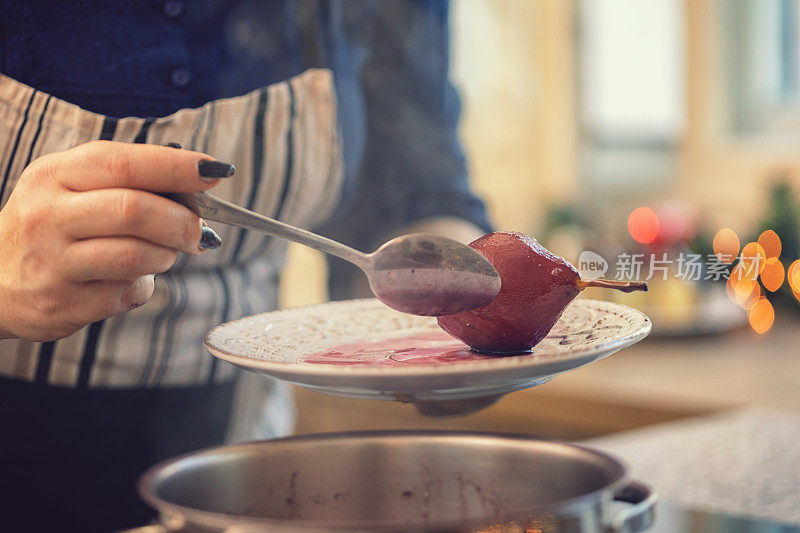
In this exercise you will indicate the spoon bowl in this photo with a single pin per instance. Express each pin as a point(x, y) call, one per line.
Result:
point(431, 275)
point(419, 274)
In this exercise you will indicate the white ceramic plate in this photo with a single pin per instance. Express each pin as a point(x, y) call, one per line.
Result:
point(276, 343)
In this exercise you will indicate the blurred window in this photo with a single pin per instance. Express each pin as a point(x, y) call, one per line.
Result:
point(631, 92)
point(762, 41)
point(631, 71)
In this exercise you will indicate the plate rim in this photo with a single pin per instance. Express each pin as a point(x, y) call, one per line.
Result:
point(461, 368)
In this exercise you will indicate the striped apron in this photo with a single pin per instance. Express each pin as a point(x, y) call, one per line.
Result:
point(284, 142)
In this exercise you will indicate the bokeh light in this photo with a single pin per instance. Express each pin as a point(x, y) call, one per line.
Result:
point(773, 274)
point(746, 293)
point(761, 316)
point(771, 243)
point(730, 289)
point(753, 260)
point(675, 221)
point(742, 291)
point(737, 273)
point(726, 245)
point(733, 279)
point(793, 275)
point(643, 225)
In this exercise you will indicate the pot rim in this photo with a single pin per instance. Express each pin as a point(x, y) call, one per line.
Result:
point(162, 470)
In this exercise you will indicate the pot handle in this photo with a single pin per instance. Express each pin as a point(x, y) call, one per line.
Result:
point(642, 512)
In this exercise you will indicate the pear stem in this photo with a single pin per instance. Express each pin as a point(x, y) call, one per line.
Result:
point(624, 286)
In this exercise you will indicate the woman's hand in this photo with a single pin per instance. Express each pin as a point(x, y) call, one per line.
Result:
point(82, 233)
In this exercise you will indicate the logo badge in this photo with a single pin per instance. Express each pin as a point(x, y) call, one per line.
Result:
point(591, 265)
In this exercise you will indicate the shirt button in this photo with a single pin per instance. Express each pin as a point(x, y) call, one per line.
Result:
point(180, 77)
point(173, 8)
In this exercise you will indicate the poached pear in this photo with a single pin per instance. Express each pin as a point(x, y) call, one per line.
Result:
point(537, 286)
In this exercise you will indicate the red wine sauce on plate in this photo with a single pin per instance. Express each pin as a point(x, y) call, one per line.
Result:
point(433, 347)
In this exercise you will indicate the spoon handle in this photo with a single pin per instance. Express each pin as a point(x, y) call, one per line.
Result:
point(212, 208)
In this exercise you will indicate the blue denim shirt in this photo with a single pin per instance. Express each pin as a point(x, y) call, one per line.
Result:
point(397, 109)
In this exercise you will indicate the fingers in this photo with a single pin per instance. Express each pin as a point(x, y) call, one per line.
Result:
point(115, 258)
point(109, 298)
point(127, 295)
point(108, 164)
point(83, 303)
point(132, 213)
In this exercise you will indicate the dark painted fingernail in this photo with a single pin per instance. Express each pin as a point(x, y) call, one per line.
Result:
point(172, 145)
point(215, 169)
point(210, 240)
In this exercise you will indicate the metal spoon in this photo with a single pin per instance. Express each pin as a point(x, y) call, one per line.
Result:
point(419, 274)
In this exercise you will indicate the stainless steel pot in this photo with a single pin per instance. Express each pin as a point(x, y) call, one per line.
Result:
point(397, 481)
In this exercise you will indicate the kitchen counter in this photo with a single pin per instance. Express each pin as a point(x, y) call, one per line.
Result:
point(658, 380)
point(737, 368)
point(743, 462)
